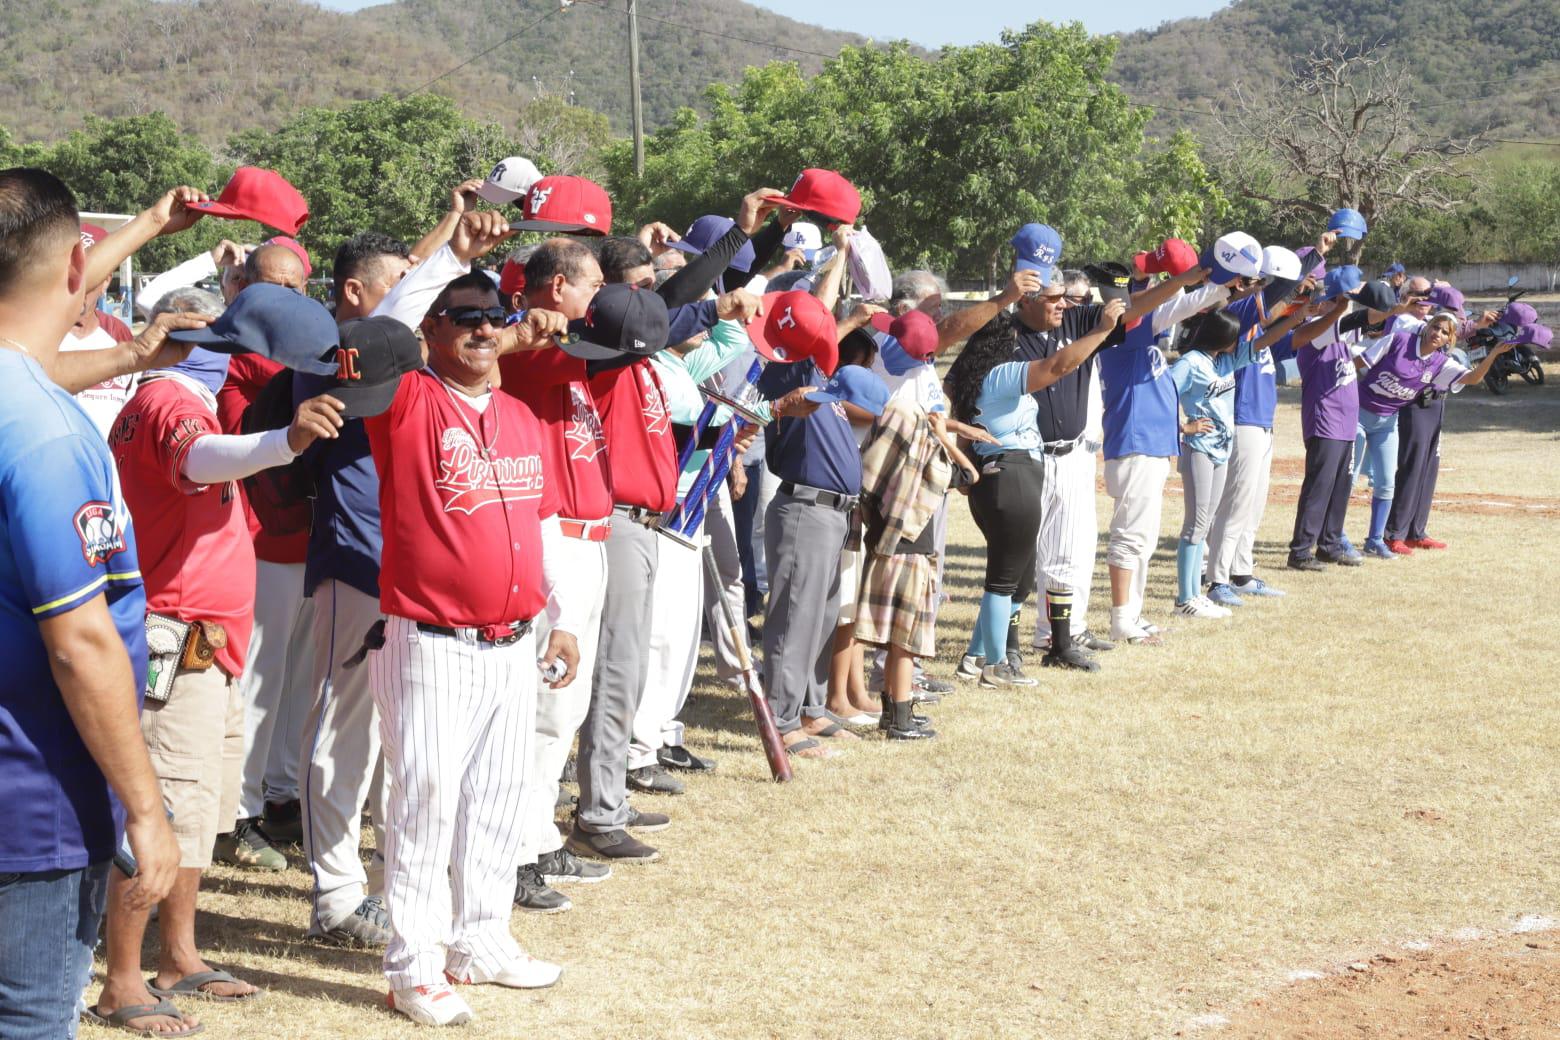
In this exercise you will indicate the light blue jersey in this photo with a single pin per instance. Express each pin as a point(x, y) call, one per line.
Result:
point(1008, 411)
point(1206, 386)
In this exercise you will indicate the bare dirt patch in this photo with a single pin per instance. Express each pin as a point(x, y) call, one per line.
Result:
point(1506, 988)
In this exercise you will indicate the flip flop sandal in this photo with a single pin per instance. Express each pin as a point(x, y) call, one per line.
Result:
point(121, 1018)
point(190, 986)
point(810, 748)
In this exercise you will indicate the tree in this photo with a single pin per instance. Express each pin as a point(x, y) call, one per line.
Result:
point(1340, 130)
point(1519, 211)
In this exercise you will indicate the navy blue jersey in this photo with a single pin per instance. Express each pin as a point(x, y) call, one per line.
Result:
point(820, 450)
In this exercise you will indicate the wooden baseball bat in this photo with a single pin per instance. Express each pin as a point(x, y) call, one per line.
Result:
point(768, 735)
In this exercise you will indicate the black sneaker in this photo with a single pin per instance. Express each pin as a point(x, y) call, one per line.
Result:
point(1306, 562)
point(532, 893)
point(927, 684)
point(368, 925)
point(1070, 657)
point(616, 845)
point(283, 822)
point(562, 867)
point(647, 821)
point(919, 730)
point(654, 780)
point(679, 757)
point(248, 846)
point(1087, 640)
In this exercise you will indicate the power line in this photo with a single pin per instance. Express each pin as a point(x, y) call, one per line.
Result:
point(484, 53)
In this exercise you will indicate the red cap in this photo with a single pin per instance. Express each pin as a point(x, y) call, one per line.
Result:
point(824, 192)
point(296, 248)
point(916, 332)
point(795, 326)
point(1173, 257)
point(91, 235)
point(261, 195)
point(569, 205)
point(511, 279)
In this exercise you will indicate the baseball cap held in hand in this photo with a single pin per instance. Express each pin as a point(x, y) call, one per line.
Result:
point(275, 322)
point(1039, 247)
point(509, 180)
point(622, 319)
point(1111, 279)
point(373, 356)
point(253, 193)
point(568, 205)
point(914, 331)
point(826, 193)
point(708, 230)
point(1173, 257)
point(855, 385)
point(1237, 254)
point(796, 326)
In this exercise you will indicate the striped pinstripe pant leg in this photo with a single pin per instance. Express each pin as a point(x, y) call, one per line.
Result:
point(1068, 538)
point(454, 722)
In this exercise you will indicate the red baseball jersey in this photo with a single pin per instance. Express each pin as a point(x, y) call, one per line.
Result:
point(462, 495)
point(247, 376)
point(641, 454)
point(552, 384)
point(103, 401)
point(196, 556)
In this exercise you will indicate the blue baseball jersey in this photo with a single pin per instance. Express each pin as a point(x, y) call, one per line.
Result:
point(1206, 386)
point(1256, 385)
point(345, 540)
point(65, 538)
point(1139, 396)
point(819, 450)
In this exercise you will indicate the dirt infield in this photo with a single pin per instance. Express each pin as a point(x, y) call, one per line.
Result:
point(1503, 988)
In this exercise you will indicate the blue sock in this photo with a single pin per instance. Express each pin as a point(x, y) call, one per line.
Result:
point(991, 627)
point(1379, 508)
point(1188, 561)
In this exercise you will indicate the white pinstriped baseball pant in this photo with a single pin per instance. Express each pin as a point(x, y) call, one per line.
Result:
point(455, 722)
point(1069, 535)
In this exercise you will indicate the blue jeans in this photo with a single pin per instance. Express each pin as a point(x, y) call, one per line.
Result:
point(1375, 452)
point(49, 921)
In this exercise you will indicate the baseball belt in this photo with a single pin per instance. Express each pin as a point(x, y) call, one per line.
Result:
point(817, 496)
point(587, 530)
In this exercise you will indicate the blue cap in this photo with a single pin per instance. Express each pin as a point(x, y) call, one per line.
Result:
point(855, 385)
point(1341, 280)
point(275, 322)
point(1349, 223)
point(708, 230)
point(1394, 268)
point(1039, 247)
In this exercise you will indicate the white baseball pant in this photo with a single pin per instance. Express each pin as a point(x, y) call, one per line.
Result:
point(342, 763)
point(560, 712)
point(721, 531)
point(677, 608)
point(455, 721)
point(1234, 530)
point(1137, 483)
point(275, 687)
point(1068, 538)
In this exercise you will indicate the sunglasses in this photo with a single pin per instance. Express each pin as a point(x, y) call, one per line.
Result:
point(1076, 298)
point(474, 317)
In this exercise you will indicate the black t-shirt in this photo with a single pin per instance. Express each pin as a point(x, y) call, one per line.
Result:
point(1064, 405)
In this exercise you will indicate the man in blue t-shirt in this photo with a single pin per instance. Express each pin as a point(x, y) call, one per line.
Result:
point(72, 617)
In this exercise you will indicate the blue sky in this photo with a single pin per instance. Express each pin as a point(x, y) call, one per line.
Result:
point(966, 21)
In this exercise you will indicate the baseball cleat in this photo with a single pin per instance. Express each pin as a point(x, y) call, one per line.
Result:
point(532, 893)
point(647, 821)
point(654, 780)
point(1224, 595)
point(1072, 657)
point(1426, 543)
point(969, 667)
point(1256, 587)
point(1087, 640)
point(247, 845)
point(430, 1005)
point(675, 756)
point(562, 867)
point(1304, 562)
point(613, 845)
point(368, 925)
point(1201, 607)
point(1347, 558)
point(996, 676)
point(1378, 548)
point(1399, 547)
point(525, 973)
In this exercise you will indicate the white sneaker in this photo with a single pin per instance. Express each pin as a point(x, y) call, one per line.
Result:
point(969, 667)
point(1132, 632)
point(525, 973)
point(431, 1005)
point(1202, 607)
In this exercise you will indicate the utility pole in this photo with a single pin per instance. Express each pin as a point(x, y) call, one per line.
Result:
point(633, 83)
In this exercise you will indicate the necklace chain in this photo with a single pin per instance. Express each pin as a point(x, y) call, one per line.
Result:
point(485, 448)
point(19, 346)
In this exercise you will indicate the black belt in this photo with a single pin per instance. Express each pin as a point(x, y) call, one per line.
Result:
point(498, 635)
point(817, 496)
point(639, 515)
point(1064, 448)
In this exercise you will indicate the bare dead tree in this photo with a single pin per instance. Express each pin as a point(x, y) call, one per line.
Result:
point(1340, 130)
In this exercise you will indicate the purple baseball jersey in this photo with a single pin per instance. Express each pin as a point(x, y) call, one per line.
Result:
point(1397, 374)
point(1329, 400)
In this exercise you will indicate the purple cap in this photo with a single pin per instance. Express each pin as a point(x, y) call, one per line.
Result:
point(1534, 335)
point(1445, 298)
point(708, 230)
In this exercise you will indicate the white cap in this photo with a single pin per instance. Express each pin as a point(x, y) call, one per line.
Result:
point(1240, 254)
point(1278, 262)
point(510, 180)
point(803, 236)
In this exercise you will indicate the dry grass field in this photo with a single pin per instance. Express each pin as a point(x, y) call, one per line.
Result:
point(1368, 761)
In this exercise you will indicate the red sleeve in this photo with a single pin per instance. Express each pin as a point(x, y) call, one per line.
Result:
point(172, 419)
point(247, 376)
point(549, 366)
point(114, 327)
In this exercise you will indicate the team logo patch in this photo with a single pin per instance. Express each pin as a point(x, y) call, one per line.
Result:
point(98, 529)
point(657, 421)
point(584, 433)
point(539, 198)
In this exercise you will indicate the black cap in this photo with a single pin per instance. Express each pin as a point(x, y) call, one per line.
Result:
point(1378, 296)
point(622, 319)
point(373, 356)
point(1111, 279)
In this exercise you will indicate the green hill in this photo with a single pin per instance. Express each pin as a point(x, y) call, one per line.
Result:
point(1473, 63)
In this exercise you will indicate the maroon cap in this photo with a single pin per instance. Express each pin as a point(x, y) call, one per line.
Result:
point(1173, 257)
point(824, 192)
point(568, 205)
point(91, 235)
point(260, 195)
point(913, 330)
point(511, 279)
point(795, 326)
point(295, 247)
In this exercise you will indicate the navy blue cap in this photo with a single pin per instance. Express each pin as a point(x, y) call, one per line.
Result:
point(708, 230)
point(1039, 247)
point(855, 385)
point(622, 319)
point(275, 322)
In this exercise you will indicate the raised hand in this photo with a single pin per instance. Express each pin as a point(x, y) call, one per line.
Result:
point(478, 234)
point(318, 417)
